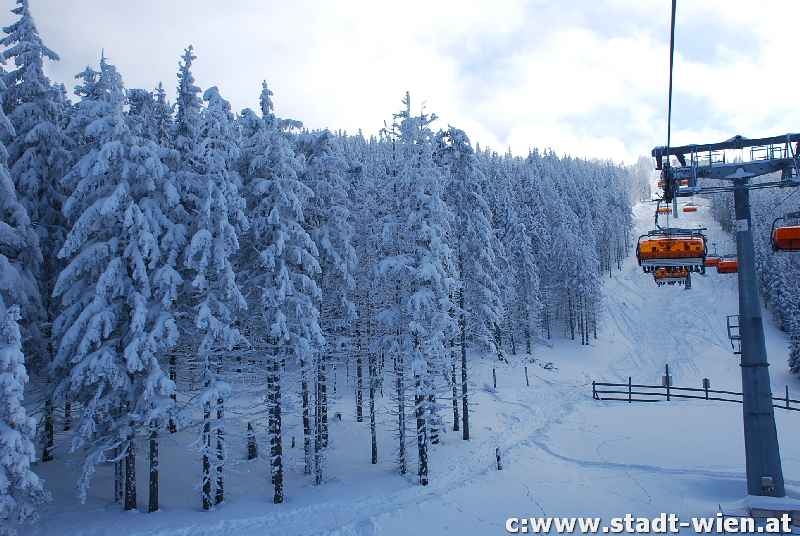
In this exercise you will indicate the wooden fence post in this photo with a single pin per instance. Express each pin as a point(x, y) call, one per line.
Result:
point(494, 377)
point(527, 381)
point(667, 379)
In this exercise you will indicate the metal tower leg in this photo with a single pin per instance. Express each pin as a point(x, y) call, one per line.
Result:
point(764, 474)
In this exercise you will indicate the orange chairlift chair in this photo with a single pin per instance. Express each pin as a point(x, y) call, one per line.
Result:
point(672, 275)
point(786, 237)
point(679, 248)
point(728, 265)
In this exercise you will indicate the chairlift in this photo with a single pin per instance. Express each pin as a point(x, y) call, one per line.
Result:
point(671, 247)
point(728, 265)
point(690, 208)
point(664, 210)
point(786, 237)
point(670, 275)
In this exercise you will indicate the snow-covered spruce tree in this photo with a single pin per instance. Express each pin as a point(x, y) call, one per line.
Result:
point(20, 489)
point(38, 157)
point(161, 120)
point(417, 270)
point(283, 270)
point(20, 255)
point(524, 279)
point(389, 269)
point(365, 168)
point(794, 346)
point(529, 210)
point(495, 180)
point(188, 105)
point(471, 236)
point(328, 220)
point(182, 135)
point(39, 152)
point(115, 291)
point(214, 186)
point(149, 117)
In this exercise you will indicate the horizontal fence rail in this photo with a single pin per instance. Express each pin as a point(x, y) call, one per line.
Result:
point(637, 392)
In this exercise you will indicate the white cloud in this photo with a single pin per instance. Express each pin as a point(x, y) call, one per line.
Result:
point(587, 79)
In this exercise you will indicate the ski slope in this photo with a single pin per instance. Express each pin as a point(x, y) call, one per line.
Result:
point(563, 452)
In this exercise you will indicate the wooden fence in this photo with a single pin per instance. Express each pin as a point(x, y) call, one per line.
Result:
point(637, 392)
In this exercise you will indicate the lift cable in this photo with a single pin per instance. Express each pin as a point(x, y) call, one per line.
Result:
point(671, 60)
point(786, 199)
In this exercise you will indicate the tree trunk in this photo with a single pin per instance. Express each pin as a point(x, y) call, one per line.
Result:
point(49, 441)
point(119, 487)
point(399, 371)
point(206, 484)
point(252, 445)
point(498, 338)
point(359, 388)
point(571, 312)
point(67, 415)
point(433, 419)
point(173, 375)
point(306, 420)
point(276, 444)
point(528, 347)
point(372, 428)
point(547, 320)
point(454, 383)
point(152, 492)
point(585, 313)
point(464, 401)
point(219, 493)
point(130, 475)
point(322, 379)
point(422, 440)
point(318, 425)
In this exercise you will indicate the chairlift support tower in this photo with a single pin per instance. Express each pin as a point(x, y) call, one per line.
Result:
point(707, 161)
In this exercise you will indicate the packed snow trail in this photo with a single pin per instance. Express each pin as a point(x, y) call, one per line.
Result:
point(563, 452)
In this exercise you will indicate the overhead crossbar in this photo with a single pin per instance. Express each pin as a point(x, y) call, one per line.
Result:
point(737, 142)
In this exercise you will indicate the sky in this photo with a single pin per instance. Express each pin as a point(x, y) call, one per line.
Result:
point(583, 77)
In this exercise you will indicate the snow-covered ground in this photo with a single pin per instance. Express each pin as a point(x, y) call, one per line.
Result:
point(563, 452)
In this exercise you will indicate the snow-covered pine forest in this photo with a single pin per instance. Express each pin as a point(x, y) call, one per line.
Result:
point(185, 268)
point(778, 274)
